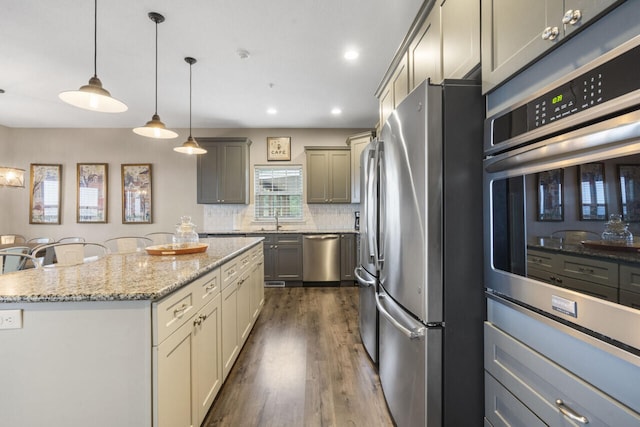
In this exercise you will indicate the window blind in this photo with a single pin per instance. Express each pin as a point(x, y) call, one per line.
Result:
point(278, 190)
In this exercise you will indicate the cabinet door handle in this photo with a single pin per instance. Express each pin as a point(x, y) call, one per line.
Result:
point(550, 33)
point(572, 17)
point(180, 310)
point(210, 287)
point(570, 413)
point(197, 321)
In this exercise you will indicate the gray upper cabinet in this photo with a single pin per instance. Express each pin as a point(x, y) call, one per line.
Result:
point(223, 172)
point(516, 32)
point(460, 29)
point(328, 174)
point(357, 143)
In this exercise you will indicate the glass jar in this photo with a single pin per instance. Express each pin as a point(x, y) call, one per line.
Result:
point(616, 231)
point(185, 234)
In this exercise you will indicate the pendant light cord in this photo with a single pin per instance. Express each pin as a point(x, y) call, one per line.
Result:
point(156, 67)
point(95, 38)
point(190, 85)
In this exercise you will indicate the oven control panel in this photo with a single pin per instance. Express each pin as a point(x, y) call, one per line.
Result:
point(603, 83)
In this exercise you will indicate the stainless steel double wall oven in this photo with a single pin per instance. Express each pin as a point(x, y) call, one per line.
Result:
point(562, 200)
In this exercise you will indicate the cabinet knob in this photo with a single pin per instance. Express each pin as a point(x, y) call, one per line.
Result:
point(275, 247)
point(572, 17)
point(550, 33)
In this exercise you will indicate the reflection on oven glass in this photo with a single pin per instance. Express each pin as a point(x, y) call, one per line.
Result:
point(577, 224)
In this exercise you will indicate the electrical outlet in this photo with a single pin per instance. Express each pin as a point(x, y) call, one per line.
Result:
point(10, 319)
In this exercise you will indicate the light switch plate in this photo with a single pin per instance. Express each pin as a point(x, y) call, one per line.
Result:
point(10, 319)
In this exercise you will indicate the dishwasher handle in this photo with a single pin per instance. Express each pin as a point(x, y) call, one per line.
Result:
point(322, 237)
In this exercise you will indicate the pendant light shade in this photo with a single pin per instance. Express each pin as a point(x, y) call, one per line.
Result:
point(154, 128)
point(190, 146)
point(93, 96)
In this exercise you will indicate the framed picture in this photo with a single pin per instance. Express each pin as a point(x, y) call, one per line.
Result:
point(278, 148)
point(550, 195)
point(44, 199)
point(136, 194)
point(593, 203)
point(91, 194)
point(629, 176)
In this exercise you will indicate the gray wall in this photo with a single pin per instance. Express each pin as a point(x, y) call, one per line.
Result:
point(174, 174)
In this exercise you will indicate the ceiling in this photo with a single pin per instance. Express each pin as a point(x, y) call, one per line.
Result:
point(295, 61)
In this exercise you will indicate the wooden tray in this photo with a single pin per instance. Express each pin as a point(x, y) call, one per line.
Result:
point(608, 246)
point(176, 249)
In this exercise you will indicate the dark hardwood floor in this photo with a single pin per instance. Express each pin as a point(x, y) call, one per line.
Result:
point(303, 365)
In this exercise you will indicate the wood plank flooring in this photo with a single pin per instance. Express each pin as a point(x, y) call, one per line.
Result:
point(303, 365)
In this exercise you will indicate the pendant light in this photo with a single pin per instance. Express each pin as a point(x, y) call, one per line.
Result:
point(93, 96)
point(154, 127)
point(190, 146)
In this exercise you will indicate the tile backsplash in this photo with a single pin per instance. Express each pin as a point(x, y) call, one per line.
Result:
point(226, 218)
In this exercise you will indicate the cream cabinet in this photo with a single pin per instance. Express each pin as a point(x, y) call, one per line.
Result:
point(460, 43)
point(357, 143)
point(230, 342)
point(516, 32)
point(208, 360)
point(443, 43)
point(186, 354)
point(198, 332)
point(524, 387)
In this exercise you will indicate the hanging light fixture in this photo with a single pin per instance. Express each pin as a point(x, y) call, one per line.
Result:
point(11, 177)
point(154, 127)
point(190, 146)
point(93, 96)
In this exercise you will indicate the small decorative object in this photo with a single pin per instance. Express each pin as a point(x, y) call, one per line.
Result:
point(278, 148)
point(550, 195)
point(185, 235)
point(91, 195)
point(44, 200)
point(616, 231)
point(136, 194)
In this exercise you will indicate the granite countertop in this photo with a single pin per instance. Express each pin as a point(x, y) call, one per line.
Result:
point(557, 245)
point(120, 277)
point(271, 230)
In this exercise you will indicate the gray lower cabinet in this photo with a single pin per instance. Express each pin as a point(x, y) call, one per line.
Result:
point(525, 388)
point(516, 32)
point(223, 172)
point(283, 257)
point(588, 275)
point(348, 255)
point(328, 174)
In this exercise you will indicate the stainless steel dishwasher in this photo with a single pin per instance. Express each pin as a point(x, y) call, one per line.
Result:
point(321, 258)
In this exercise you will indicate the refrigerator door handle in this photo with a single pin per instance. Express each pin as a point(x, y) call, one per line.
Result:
point(361, 280)
point(411, 333)
point(378, 248)
point(370, 200)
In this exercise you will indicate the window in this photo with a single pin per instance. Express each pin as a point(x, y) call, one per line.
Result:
point(278, 190)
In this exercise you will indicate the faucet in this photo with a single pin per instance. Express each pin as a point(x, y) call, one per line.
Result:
point(277, 222)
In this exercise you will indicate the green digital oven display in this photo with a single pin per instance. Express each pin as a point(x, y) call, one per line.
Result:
point(557, 99)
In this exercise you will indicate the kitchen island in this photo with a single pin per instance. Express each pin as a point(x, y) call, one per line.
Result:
point(127, 340)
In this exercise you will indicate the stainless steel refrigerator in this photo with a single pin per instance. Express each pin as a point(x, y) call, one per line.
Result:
point(429, 255)
point(367, 271)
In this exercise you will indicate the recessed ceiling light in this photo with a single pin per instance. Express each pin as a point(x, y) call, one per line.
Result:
point(351, 55)
point(336, 111)
point(272, 111)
